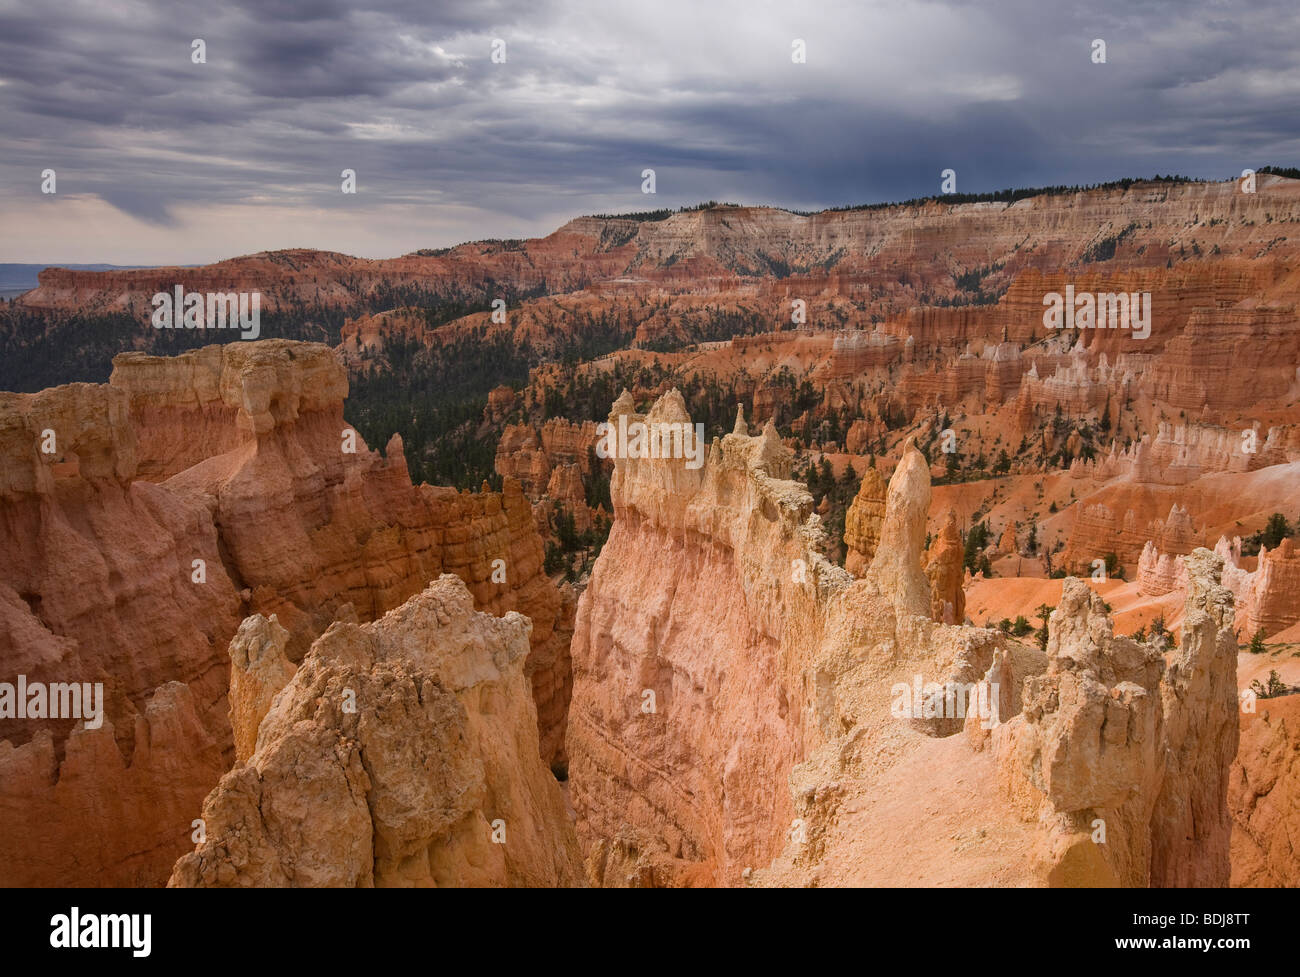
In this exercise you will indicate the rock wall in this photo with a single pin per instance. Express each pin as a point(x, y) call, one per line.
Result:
point(862, 522)
point(1262, 796)
point(1118, 744)
point(771, 670)
point(684, 722)
point(97, 586)
point(1273, 599)
point(312, 520)
point(402, 753)
point(243, 453)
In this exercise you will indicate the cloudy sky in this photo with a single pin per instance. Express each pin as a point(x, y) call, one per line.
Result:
point(160, 160)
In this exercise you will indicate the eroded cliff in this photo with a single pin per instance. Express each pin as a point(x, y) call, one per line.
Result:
point(144, 519)
point(745, 711)
point(401, 753)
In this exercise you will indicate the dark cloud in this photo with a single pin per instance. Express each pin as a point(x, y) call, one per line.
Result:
point(591, 93)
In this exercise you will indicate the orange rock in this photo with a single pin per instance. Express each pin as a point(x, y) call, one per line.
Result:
point(410, 743)
point(862, 522)
point(1273, 599)
point(945, 571)
point(187, 493)
point(1261, 794)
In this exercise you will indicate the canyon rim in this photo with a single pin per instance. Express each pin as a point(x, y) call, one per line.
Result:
point(579, 446)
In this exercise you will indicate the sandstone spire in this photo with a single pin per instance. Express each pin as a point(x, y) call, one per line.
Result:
point(945, 572)
point(773, 456)
point(258, 670)
point(896, 567)
point(411, 742)
point(862, 522)
point(624, 405)
point(1007, 545)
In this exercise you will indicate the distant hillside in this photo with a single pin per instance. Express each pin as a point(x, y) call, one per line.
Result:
point(16, 279)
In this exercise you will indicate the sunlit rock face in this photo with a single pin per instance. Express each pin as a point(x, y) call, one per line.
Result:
point(736, 714)
point(401, 753)
point(187, 493)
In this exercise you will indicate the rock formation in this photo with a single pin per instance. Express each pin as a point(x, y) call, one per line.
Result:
point(745, 713)
point(946, 573)
point(1007, 545)
point(100, 582)
point(679, 646)
point(1266, 599)
point(1273, 599)
point(1111, 736)
point(402, 753)
point(311, 520)
point(1262, 796)
point(531, 454)
point(896, 568)
point(258, 671)
point(706, 569)
point(186, 494)
point(862, 523)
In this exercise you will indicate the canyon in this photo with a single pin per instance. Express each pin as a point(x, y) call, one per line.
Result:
point(321, 668)
point(183, 496)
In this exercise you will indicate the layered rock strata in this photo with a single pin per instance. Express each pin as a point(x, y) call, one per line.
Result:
point(744, 711)
point(186, 494)
point(402, 753)
point(1262, 796)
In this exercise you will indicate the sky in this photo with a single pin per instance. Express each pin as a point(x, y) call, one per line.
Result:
point(161, 160)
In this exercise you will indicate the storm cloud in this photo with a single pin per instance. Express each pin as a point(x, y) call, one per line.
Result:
point(159, 159)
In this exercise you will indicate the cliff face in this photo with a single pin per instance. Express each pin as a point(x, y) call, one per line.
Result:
point(888, 253)
point(402, 753)
point(1273, 599)
point(97, 584)
point(1262, 796)
point(709, 594)
point(684, 720)
point(236, 456)
point(311, 520)
point(1112, 735)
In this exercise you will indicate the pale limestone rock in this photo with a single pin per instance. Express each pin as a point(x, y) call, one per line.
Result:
point(896, 568)
point(258, 671)
point(1262, 796)
point(394, 757)
point(1111, 734)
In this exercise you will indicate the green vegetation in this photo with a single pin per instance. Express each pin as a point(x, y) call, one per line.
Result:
point(1274, 688)
point(839, 493)
point(973, 557)
point(1043, 612)
point(1104, 249)
point(1009, 195)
